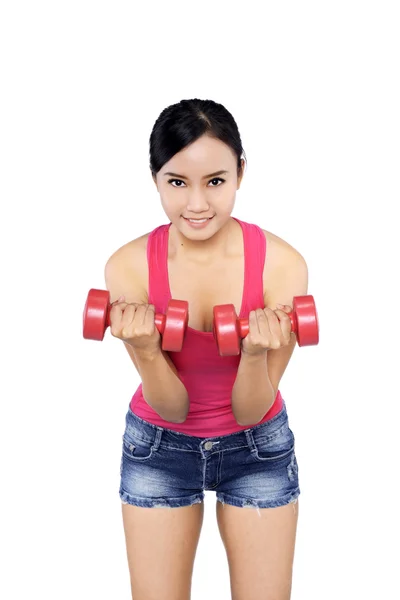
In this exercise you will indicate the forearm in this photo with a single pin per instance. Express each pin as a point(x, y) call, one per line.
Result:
point(252, 393)
point(161, 386)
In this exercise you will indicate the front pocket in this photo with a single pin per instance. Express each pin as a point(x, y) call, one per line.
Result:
point(136, 448)
point(280, 446)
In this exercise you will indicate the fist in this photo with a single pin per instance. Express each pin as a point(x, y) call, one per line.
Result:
point(134, 324)
point(268, 330)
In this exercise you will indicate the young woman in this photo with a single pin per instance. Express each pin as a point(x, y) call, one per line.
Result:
point(200, 421)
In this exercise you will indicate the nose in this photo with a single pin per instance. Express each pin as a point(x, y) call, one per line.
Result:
point(197, 203)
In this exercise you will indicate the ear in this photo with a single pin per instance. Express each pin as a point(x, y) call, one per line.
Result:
point(240, 176)
point(154, 177)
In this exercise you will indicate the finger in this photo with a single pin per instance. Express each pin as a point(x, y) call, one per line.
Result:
point(264, 324)
point(127, 316)
point(285, 324)
point(142, 316)
point(116, 315)
point(150, 315)
point(274, 329)
point(253, 322)
point(117, 310)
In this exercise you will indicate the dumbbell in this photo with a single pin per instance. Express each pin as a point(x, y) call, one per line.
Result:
point(172, 325)
point(228, 329)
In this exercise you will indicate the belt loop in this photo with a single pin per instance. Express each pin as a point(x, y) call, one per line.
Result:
point(157, 439)
point(250, 439)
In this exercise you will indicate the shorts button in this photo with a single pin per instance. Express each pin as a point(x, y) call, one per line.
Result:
point(208, 445)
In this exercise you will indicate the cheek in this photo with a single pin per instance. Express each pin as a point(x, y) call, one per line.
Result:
point(171, 200)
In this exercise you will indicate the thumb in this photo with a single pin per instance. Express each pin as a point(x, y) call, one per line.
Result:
point(120, 299)
point(285, 307)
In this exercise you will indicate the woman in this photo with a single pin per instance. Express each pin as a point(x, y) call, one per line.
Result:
point(200, 421)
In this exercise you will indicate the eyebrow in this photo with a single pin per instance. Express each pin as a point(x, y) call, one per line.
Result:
point(205, 176)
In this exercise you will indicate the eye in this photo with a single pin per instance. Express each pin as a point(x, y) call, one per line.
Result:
point(172, 181)
point(180, 181)
point(217, 179)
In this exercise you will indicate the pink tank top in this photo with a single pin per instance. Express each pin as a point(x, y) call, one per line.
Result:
point(207, 376)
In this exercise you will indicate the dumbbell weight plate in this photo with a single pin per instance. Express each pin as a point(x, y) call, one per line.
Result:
point(176, 321)
point(95, 314)
point(225, 330)
point(305, 313)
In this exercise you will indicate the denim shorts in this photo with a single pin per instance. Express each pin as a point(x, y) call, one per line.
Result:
point(255, 467)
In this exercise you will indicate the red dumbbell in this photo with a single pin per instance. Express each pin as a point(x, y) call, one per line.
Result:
point(228, 329)
point(172, 326)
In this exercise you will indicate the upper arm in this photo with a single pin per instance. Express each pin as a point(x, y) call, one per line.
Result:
point(123, 276)
point(290, 279)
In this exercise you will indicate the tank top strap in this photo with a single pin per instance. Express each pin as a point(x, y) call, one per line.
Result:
point(255, 252)
point(157, 260)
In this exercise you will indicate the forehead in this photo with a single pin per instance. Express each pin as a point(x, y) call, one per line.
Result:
point(205, 155)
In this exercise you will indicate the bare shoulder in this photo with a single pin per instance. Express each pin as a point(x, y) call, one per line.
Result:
point(281, 258)
point(126, 271)
point(278, 250)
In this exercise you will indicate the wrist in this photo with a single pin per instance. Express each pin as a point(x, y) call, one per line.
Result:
point(254, 358)
point(146, 354)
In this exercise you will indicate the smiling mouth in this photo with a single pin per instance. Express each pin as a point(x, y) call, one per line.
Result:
point(198, 220)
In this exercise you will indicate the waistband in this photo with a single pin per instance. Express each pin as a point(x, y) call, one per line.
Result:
point(168, 438)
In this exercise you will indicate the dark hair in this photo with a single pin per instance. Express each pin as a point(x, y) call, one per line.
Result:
point(183, 123)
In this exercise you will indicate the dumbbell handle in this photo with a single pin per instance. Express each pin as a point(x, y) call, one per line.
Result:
point(243, 326)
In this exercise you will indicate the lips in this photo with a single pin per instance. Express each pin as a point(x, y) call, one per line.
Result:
point(193, 219)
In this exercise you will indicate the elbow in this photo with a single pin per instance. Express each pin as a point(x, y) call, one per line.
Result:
point(185, 411)
point(248, 422)
point(181, 416)
point(172, 418)
point(180, 419)
point(242, 422)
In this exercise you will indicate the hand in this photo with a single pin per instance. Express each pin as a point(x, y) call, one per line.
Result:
point(268, 330)
point(134, 324)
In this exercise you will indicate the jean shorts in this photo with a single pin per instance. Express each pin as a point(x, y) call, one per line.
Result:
point(255, 467)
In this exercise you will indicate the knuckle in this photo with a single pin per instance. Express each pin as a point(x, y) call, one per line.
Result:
point(128, 333)
point(142, 332)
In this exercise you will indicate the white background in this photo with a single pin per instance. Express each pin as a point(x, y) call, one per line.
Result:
point(314, 88)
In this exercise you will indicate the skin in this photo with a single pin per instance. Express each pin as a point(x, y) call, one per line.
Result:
point(203, 264)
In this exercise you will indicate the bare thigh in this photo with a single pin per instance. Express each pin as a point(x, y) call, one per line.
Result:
point(260, 547)
point(161, 545)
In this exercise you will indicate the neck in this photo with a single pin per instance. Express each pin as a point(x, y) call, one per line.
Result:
point(203, 251)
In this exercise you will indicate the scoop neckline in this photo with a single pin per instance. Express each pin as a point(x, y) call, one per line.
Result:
point(198, 331)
